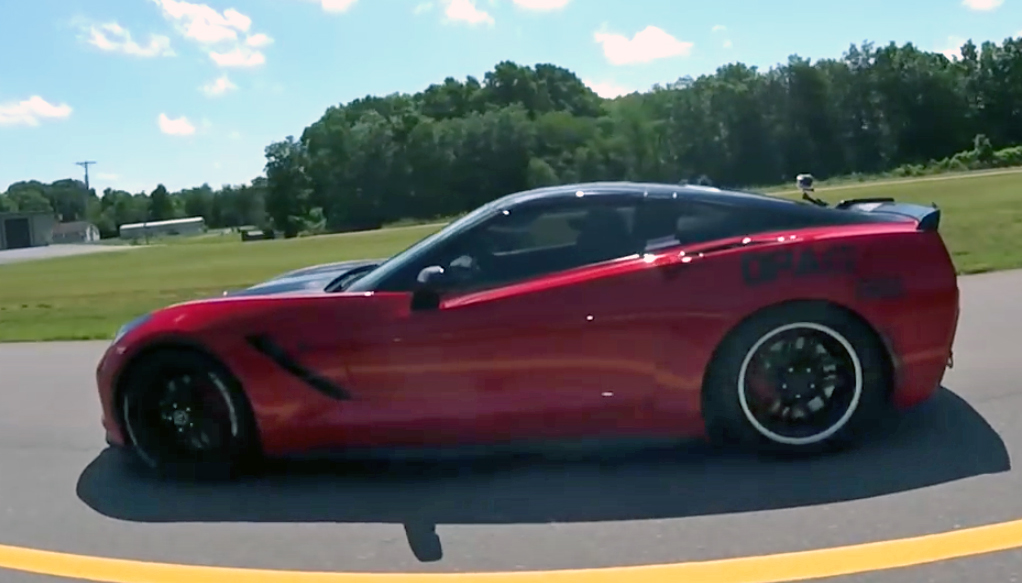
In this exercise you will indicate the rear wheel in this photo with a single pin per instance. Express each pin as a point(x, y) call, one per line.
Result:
point(186, 417)
point(799, 379)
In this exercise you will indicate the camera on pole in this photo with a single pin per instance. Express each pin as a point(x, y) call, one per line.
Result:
point(805, 183)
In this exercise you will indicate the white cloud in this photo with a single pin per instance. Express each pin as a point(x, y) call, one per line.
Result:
point(204, 24)
point(608, 90)
point(466, 11)
point(982, 5)
point(238, 57)
point(422, 7)
point(112, 37)
point(31, 111)
point(337, 5)
point(541, 5)
point(649, 44)
point(721, 28)
point(218, 87)
point(175, 127)
point(952, 48)
point(220, 32)
point(258, 40)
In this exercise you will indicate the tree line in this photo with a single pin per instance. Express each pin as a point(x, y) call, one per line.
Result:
point(460, 143)
point(69, 201)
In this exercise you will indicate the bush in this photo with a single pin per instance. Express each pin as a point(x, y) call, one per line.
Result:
point(981, 157)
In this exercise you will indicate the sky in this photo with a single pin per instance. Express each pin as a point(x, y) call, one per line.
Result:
point(184, 92)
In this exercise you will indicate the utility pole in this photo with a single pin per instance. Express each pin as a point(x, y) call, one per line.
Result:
point(85, 200)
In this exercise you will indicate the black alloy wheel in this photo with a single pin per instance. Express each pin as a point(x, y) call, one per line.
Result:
point(185, 416)
point(805, 377)
point(800, 383)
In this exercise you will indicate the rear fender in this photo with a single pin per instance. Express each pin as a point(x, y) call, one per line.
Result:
point(901, 284)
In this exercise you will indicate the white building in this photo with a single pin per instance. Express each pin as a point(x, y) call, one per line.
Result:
point(75, 232)
point(189, 226)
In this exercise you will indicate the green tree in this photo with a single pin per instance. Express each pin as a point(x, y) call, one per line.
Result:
point(161, 207)
point(460, 143)
point(288, 194)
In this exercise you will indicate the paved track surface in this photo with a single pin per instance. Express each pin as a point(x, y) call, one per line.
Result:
point(51, 251)
point(944, 466)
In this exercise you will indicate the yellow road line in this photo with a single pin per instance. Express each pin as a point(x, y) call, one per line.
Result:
point(797, 566)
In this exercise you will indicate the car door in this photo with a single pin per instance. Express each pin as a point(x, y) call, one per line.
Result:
point(539, 339)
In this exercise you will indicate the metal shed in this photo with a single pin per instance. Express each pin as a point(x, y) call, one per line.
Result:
point(188, 226)
point(21, 230)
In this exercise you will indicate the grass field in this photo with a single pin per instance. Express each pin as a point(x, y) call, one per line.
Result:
point(88, 297)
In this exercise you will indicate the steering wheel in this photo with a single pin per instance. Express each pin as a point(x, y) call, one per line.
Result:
point(472, 266)
point(464, 269)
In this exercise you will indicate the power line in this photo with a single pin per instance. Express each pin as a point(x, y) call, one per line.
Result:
point(85, 199)
point(86, 165)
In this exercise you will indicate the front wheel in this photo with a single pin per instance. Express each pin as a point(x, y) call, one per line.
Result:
point(800, 379)
point(186, 417)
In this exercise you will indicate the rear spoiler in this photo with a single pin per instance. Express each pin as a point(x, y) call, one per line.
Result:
point(927, 217)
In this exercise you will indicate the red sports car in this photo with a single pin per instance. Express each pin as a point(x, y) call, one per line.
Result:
point(604, 310)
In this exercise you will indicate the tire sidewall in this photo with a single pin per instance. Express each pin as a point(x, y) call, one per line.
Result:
point(726, 418)
point(226, 462)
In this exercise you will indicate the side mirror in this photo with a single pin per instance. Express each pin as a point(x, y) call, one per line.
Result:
point(430, 281)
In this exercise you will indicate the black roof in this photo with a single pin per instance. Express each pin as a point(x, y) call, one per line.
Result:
point(649, 189)
point(749, 203)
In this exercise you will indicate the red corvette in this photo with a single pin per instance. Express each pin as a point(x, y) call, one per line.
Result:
point(589, 310)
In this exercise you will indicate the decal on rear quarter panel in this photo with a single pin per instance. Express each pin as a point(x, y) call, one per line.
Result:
point(767, 266)
point(880, 288)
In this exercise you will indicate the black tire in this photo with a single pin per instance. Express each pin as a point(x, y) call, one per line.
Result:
point(156, 439)
point(857, 374)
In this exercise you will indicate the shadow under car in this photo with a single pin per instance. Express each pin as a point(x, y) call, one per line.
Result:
point(940, 441)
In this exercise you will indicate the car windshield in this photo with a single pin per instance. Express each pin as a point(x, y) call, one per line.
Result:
point(371, 280)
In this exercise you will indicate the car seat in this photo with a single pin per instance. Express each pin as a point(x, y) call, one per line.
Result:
point(603, 235)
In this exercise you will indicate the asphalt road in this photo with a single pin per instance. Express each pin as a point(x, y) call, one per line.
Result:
point(942, 467)
point(51, 251)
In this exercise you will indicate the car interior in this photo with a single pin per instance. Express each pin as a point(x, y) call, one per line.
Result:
point(528, 244)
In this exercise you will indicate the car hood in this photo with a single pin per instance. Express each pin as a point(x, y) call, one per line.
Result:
point(308, 279)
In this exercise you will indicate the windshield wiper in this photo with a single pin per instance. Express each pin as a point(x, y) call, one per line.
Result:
point(343, 282)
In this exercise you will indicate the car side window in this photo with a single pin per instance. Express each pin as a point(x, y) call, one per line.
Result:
point(535, 240)
point(668, 222)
